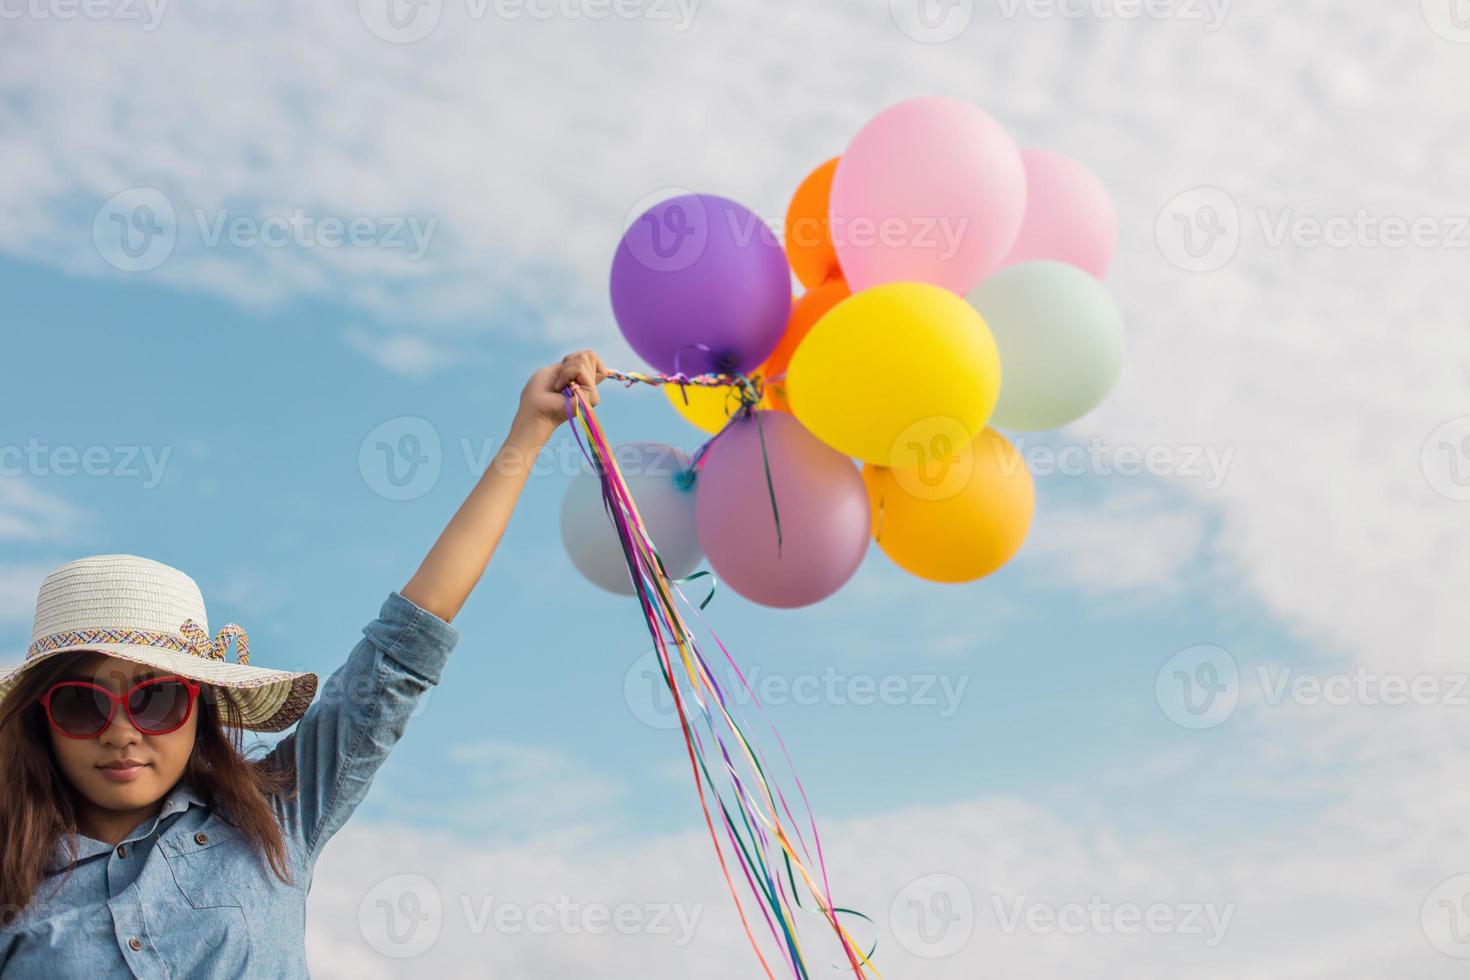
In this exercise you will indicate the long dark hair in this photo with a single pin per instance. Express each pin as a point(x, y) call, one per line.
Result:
point(41, 805)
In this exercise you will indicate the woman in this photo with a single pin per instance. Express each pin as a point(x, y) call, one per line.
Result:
point(137, 838)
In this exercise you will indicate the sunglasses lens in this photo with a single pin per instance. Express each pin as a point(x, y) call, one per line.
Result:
point(159, 706)
point(79, 710)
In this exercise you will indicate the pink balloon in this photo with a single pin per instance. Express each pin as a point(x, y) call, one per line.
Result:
point(931, 190)
point(1070, 217)
point(826, 519)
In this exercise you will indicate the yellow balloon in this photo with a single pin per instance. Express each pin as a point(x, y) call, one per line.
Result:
point(708, 408)
point(955, 515)
point(891, 363)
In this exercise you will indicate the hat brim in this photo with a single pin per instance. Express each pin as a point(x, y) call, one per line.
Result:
point(267, 700)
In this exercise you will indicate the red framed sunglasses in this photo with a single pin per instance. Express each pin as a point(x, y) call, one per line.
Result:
point(157, 706)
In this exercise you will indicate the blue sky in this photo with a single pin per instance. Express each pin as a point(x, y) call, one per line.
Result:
point(1324, 375)
point(256, 421)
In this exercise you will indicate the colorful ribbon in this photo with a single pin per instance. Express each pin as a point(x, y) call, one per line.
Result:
point(728, 769)
point(202, 646)
point(748, 390)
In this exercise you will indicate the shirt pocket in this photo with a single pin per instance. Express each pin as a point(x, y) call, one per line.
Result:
point(214, 866)
point(208, 928)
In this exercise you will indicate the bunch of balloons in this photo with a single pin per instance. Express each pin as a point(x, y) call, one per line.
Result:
point(952, 288)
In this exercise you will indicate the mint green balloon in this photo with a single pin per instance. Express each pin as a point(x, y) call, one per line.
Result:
point(1061, 343)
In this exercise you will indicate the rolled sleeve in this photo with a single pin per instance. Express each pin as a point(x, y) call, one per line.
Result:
point(359, 715)
point(417, 639)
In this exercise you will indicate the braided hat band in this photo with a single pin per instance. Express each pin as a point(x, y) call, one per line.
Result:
point(128, 607)
point(195, 641)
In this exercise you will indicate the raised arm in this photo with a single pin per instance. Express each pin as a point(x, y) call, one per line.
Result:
point(364, 707)
point(454, 565)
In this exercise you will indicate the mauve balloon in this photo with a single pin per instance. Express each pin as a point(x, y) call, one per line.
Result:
point(701, 270)
point(825, 517)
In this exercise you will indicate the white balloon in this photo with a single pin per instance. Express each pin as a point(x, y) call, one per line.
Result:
point(1061, 342)
point(660, 479)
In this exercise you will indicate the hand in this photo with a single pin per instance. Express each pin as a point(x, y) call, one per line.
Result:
point(542, 403)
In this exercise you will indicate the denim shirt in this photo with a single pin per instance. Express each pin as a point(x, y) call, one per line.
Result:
point(184, 896)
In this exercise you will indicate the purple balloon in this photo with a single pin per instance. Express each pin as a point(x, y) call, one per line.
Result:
point(700, 285)
point(823, 504)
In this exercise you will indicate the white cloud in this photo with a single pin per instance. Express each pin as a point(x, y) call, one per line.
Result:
point(407, 354)
point(1135, 543)
point(29, 515)
point(1332, 898)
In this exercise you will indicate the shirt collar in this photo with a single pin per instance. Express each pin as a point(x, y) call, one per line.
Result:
point(179, 799)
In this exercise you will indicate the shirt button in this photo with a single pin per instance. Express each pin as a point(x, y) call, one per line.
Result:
point(134, 944)
point(201, 838)
point(122, 850)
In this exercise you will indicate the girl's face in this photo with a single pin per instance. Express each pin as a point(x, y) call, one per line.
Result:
point(85, 761)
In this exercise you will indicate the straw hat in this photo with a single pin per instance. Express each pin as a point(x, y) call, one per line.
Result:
point(141, 610)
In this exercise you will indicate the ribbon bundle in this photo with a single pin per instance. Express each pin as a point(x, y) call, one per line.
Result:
point(729, 770)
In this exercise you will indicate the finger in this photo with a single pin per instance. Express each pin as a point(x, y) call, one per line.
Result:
point(602, 369)
point(586, 373)
point(570, 368)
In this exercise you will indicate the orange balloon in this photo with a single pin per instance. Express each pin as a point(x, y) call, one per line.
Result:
point(808, 229)
point(961, 511)
point(805, 312)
